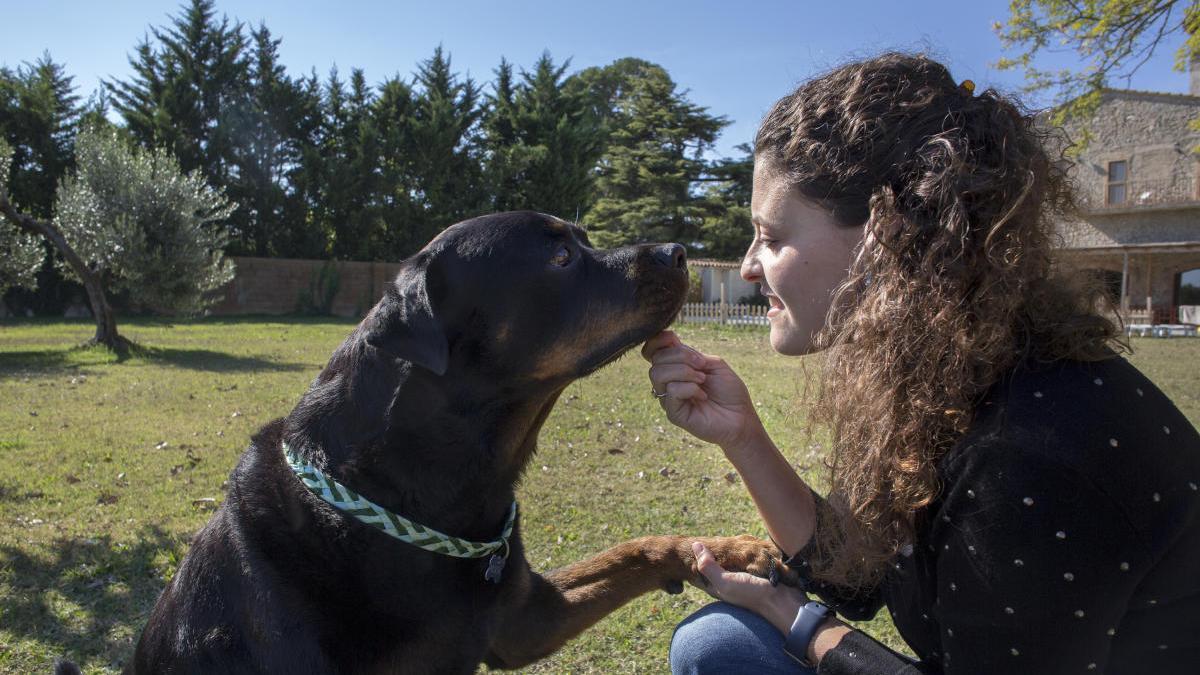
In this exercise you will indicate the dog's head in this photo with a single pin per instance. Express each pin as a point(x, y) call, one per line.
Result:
point(523, 297)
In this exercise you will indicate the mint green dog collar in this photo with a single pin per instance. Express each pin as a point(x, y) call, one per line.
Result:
point(370, 513)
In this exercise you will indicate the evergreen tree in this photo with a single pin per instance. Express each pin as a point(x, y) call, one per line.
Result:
point(446, 169)
point(303, 234)
point(543, 141)
point(656, 142)
point(39, 112)
point(727, 231)
point(506, 154)
point(266, 131)
point(348, 169)
point(184, 82)
point(400, 209)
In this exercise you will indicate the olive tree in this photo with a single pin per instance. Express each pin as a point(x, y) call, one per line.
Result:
point(130, 220)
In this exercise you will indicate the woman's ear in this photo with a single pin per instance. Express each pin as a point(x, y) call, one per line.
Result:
point(403, 324)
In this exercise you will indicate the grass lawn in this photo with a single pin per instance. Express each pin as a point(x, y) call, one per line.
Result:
point(109, 468)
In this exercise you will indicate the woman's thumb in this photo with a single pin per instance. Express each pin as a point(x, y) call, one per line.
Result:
point(706, 564)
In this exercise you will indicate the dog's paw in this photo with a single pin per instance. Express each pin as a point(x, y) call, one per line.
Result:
point(673, 586)
point(745, 553)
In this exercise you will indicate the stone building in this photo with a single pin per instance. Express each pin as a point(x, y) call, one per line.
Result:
point(1138, 187)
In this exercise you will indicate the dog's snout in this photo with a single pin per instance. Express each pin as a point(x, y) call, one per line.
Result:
point(670, 255)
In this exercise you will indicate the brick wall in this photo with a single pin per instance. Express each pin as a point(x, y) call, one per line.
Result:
point(276, 285)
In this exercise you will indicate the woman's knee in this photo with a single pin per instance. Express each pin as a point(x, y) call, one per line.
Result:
point(722, 638)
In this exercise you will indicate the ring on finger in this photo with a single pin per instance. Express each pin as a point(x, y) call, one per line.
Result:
point(656, 394)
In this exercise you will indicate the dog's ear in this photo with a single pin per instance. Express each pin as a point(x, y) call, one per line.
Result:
point(403, 323)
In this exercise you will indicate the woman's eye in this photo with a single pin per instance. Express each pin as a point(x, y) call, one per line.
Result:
point(562, 257)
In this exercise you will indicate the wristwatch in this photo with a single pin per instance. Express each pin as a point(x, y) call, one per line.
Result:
point(808, 619)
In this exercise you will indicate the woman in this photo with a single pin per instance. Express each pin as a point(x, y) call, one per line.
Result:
point(1019, 496)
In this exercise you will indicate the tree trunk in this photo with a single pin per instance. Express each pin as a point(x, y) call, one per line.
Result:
point(106, 321)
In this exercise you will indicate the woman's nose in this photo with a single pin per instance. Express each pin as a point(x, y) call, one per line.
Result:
point(751, 269)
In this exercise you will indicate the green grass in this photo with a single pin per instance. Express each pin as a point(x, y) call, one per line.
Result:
point(103, 460)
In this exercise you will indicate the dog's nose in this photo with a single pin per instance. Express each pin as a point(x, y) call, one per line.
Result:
point(671, 255)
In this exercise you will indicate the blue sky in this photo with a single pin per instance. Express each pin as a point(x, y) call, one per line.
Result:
point(734, 58)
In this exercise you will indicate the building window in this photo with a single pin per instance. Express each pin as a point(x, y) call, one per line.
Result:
point(1117, 174)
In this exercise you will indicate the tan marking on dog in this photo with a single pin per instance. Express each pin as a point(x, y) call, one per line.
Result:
point(503, 333)
point(564, 357)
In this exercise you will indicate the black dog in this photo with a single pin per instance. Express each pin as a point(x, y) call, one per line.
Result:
point(431, 409)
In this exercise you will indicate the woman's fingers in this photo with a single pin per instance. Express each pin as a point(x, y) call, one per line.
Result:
point(662, 340)
point(679, 354)
point(685, 391)
point(663, 374)
point(740, 588)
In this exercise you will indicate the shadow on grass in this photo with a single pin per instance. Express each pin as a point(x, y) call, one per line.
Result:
point(208, 360)
point(84, 600)
point(48, 362)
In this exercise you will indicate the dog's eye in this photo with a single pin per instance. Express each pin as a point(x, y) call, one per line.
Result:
point(562, 256)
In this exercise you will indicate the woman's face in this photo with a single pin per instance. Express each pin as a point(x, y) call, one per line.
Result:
point(800, 254)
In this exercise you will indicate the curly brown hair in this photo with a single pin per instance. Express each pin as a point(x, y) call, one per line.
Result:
point(952, 286)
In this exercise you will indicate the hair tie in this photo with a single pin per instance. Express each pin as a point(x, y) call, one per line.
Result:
point(968, 86)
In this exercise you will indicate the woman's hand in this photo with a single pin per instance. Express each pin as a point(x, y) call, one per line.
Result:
point(777, 604)
point(703, 394)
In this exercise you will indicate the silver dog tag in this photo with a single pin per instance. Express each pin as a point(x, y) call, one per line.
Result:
point(494, 569)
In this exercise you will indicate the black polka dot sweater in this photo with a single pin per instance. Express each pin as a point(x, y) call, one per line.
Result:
point(1066, 538)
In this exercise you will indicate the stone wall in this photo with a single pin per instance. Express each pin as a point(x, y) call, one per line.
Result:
point(1150, 132)
point(279, 286)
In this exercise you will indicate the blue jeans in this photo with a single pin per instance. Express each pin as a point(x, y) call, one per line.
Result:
point(723, 638)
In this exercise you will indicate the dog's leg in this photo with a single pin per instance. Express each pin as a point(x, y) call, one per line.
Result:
point(561, 604)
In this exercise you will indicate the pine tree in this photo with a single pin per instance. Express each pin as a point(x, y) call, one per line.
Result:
point(543, 141)
point(39, 113)
point(727, 230)
point(266, 131)
point(400, 207)
point(656, 142)
point(304, 235)
point(447, 170)
point(183, 83)
point(349, 176)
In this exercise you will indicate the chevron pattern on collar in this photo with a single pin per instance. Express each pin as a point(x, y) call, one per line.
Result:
point(370, 513)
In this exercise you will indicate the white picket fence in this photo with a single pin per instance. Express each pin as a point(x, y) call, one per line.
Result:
point(724, 313)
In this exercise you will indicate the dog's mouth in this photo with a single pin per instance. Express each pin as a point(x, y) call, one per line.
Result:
point(618, 347)
point(658, 303)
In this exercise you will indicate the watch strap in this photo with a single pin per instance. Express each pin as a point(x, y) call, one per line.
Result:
point(808, 619)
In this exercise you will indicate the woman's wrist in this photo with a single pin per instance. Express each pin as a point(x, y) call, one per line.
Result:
point(782, 612)
point(827, 637)
point(750, 441)
point(783, 607)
